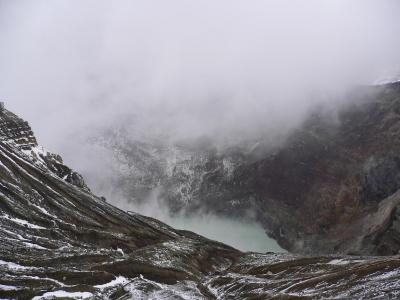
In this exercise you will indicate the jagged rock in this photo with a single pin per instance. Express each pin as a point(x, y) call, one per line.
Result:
point(61, 241)
point(18, 132)
point(55, 164)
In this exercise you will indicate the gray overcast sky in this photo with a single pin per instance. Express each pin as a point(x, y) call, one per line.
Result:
point(193, 67)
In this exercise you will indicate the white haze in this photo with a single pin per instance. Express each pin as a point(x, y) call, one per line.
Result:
point(223, 68)
point(191, 67)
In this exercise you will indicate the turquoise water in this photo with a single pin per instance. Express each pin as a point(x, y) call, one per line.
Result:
point(245, 236)
point(240, 235)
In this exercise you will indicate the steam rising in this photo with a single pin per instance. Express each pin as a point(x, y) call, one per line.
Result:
point(183, 69)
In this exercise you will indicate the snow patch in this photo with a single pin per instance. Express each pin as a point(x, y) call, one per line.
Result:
point(388, 275)
point(35, 246)
point(117, 281)
point(344, 262)
point(387, 80)
point(44, 211)
point(338, 262)
point(143, 289)
point(9, 288)
point(22, 222)
point(11, 265)
point(76, 295)
point(120, 251)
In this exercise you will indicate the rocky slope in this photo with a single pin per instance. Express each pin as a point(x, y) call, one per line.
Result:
point(58, 240)
point(18, 132)
point(329, 188)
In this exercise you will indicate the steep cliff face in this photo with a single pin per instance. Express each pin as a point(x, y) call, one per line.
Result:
point(338, 181)
point(16, 131)
point(60, 241)
point(318, 192)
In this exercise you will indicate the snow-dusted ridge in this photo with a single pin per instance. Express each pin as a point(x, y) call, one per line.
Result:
point(387, 80)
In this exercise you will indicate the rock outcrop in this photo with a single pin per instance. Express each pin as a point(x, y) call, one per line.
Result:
point(13, 128)
point(58, 240)
point(17, 132)
point(318, 192)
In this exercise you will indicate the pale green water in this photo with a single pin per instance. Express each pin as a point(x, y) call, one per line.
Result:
point(240, 235)
point(244, 236)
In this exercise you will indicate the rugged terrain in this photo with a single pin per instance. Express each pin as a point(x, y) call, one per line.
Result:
point(58, 240)
point(329, 187)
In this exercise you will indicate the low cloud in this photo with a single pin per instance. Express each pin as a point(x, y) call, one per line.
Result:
point(205, 67)
point(180, 69)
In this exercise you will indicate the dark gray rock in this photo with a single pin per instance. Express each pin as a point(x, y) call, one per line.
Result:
point(380, 178)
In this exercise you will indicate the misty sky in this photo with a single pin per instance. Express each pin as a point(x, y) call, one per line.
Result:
point(188, 67)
